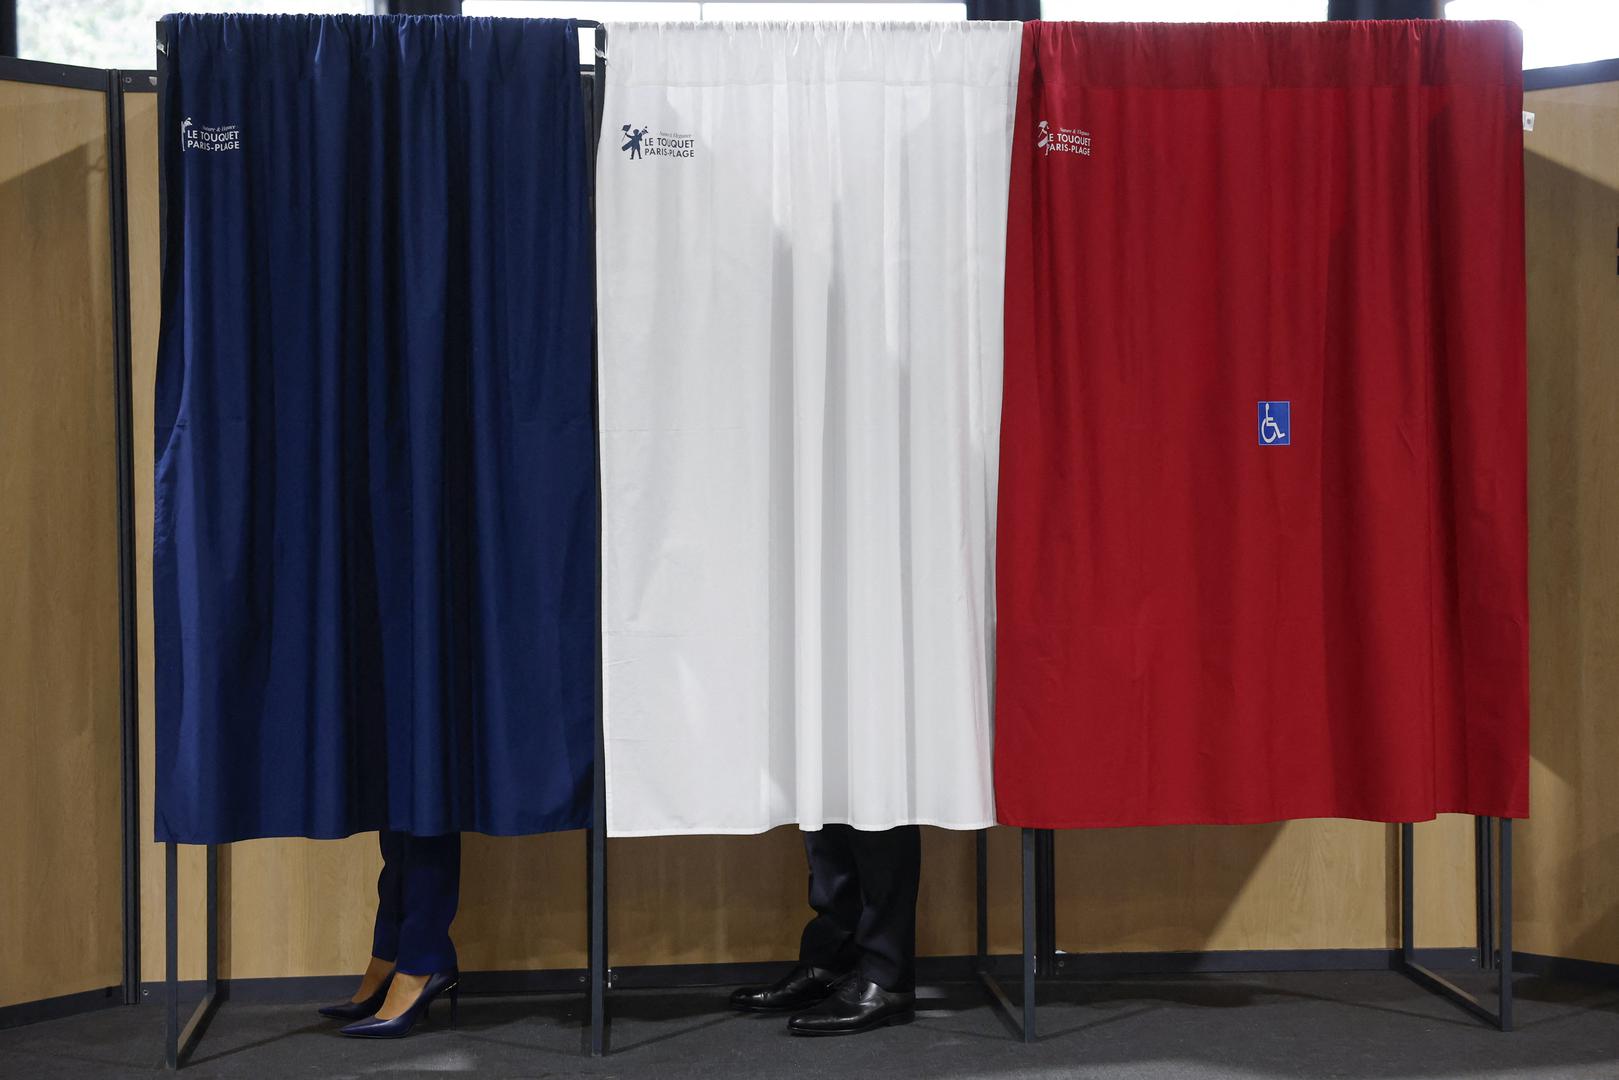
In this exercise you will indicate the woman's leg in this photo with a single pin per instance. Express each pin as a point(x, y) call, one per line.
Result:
point(385, 932)
point(430, 892)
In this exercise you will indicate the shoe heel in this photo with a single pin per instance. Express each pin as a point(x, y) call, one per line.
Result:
point(455, 1004)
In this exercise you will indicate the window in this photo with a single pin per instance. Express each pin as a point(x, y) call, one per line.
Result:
point(1555, 32)
point(695, 10)
point(1185, 10)
point(822, 10)
point(121, 34)
point(599, 10)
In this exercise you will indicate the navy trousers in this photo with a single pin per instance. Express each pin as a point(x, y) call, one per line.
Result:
point(863, 888)
point(417, 894)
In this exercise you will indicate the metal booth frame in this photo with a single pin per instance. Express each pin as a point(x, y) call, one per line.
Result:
point(1492, 885)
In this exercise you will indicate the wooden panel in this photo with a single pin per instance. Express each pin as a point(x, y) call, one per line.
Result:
point(61, 911)
point(1568, 856)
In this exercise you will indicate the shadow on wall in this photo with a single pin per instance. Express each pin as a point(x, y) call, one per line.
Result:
point(61, 925)
point(1171, 888)
point(1568, 869)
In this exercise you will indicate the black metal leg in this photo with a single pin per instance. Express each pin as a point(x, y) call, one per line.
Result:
point(211, 962)
point(180, 1042)
point(129, 708)
point(1504, 906)
point(1030, 955)
point(598, 941)
point(986, 977)
point(1484, 887)
point(171, 955)
point(1045, 901)
point(1420, 974)
point(1408, 867)
point(981, 891)
point(600, 973)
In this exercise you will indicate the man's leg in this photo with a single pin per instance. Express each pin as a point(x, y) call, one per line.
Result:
point(889, 864)
point(828, 941)
point(827, 949)
point(888, 869)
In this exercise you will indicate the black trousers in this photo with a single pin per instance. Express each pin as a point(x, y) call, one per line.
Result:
point(863, 888)
point(418, 892)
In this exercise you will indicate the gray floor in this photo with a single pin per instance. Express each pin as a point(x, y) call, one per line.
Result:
point(1362, 1024)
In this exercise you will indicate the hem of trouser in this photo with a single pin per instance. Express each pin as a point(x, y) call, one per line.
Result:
point(837, 971)
point(898, 986)
point(901, 986)
point(424, 969)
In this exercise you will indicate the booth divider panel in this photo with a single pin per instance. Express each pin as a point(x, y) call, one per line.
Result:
point(1567, 890)
point(61, 906)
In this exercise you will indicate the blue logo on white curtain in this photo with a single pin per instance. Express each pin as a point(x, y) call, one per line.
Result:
point(642, 142)
point(1275, 423)
point(632, 140)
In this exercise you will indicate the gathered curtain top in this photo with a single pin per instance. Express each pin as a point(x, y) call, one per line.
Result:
point(281, 47)
point(743, 53)
point(1202, 56)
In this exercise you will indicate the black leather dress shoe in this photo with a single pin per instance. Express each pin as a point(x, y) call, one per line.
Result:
point(798, 989)
point(857, 1005)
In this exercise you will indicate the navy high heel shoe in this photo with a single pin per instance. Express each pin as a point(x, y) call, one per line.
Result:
point(400, 1026)
point(359, 1010)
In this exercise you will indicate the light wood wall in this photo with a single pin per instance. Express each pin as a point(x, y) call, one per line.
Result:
point(61, 909)
point(1567, 892)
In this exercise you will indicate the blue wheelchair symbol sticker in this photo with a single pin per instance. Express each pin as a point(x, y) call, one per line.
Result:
point(1275, 423)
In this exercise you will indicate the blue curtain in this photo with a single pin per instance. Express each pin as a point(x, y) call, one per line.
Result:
point(997, 10)
point(375, 545)
point(1384, 9)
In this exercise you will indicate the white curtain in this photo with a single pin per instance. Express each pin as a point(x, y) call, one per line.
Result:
point(801, 232)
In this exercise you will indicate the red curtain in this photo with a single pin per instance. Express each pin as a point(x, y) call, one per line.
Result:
point(1262, 539)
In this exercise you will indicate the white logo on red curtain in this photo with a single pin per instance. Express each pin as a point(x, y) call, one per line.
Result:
point(1062, 140)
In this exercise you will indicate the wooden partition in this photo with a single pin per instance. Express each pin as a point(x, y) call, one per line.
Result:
point(61, 907)
point(1568, 868)
point(303, 908)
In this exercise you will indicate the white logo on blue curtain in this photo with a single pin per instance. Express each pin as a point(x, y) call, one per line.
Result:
point(212, 138)
point(1275, 423)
